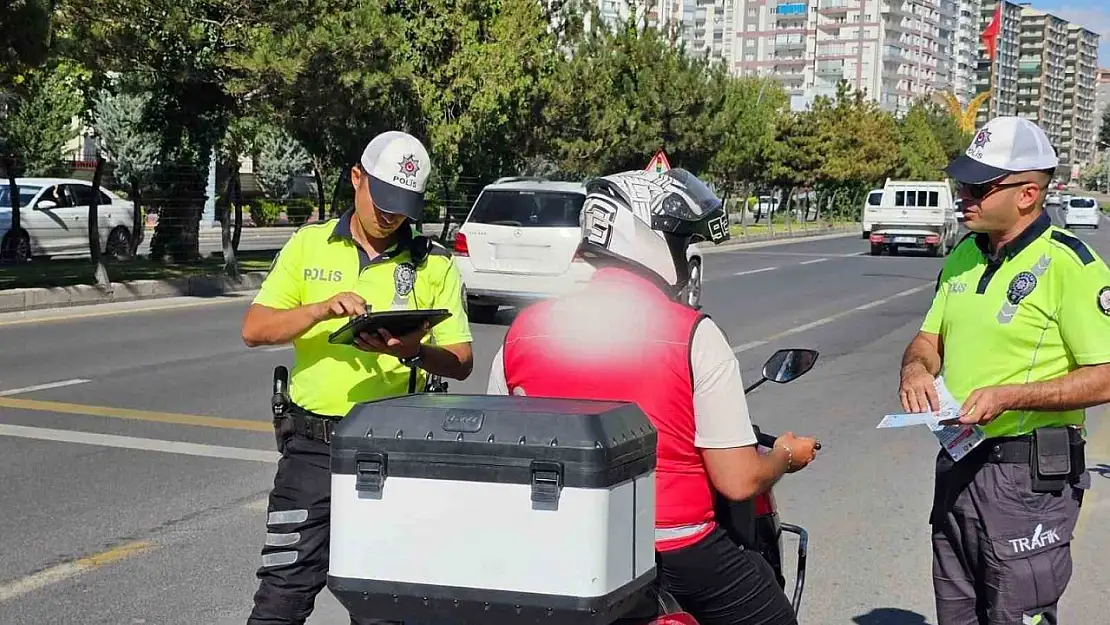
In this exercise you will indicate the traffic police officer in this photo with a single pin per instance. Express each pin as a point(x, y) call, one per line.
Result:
point(1020, 329)
point(368, 259)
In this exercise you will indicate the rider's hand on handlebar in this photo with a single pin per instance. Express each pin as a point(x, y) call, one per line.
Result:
point(917, 391)
point(346, 304)
point(802, 450)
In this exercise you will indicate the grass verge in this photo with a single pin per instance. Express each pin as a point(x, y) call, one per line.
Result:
point(763, 229)
point(70, 272)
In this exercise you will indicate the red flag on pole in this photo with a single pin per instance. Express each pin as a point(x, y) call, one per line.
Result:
point(991, 32)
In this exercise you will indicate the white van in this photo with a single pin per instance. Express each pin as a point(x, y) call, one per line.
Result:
point(915, 214)
point(1081, 211)
point(872, 204)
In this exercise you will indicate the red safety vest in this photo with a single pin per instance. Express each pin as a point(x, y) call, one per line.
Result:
point(656, 374)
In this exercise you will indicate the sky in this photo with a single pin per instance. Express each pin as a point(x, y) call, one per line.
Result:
point(1091, 14)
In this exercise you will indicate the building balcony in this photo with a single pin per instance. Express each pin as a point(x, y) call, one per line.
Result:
point(791, 43)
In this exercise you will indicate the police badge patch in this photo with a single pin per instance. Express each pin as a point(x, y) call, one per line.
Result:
point(1020, 287)
point(403, 278)
point(1104, 300)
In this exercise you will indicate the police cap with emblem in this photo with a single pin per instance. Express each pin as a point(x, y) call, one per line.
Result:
point(1004, 146)
point(398, 166)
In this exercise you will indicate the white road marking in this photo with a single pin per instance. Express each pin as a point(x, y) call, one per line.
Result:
point(45, 315)
point(751, 271)
point(279, 348)
point(813, 262)
point(43, 387)
point(820, 322)
point(144, 444)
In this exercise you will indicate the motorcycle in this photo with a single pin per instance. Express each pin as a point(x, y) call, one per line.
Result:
point(753, 523)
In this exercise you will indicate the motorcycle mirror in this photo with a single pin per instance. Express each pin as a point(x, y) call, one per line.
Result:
point(789, 364)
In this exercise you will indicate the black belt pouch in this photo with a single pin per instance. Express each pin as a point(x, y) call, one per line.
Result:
point(1051, 462)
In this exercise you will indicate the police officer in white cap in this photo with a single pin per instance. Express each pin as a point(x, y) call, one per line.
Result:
point(1020, 330)
point(367, 259)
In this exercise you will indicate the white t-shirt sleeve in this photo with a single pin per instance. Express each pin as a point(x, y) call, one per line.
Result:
point(497, 384)
point(721, 417)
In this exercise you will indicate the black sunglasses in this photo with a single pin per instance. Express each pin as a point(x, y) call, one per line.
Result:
point(982, 190)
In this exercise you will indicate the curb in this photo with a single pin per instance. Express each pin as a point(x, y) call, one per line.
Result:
point(766, 240)
point(16, 300)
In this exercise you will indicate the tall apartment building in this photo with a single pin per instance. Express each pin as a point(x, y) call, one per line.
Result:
point(1042, 48)
point(1080, 125)
point(895, 50)
point(965, 50)
point(1044, 70)
point(999, 76)
point(1102, 102)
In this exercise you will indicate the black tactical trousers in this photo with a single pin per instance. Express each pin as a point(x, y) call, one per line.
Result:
point(295, 556)
point(1001, 552)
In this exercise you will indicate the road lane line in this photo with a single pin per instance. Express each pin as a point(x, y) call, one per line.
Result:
point(813, 262)
point(279, 348)
point(820, 322)
point(43, 387)
point(143, 444)
point(67, 570)
point(239, 297)
point(138, 415)
point(751, 271)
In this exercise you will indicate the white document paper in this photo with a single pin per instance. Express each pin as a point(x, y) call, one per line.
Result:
point(957, 440)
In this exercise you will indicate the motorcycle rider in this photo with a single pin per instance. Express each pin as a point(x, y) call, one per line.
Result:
point(625, 337)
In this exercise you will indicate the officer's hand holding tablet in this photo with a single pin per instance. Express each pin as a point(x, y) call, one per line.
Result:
point(395, 332)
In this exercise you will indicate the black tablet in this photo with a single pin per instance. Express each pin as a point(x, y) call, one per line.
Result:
point(396, 322)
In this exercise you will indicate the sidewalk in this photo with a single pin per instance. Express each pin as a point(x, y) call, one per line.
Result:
point(14, 300)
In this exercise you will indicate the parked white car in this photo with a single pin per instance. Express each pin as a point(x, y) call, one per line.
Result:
point(517, 246)
point(1082, 211)
point(54, 217)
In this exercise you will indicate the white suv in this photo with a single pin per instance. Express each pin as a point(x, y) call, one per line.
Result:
point(517, 246)
point(1081, 211)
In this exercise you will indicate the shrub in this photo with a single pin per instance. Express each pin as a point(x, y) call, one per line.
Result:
point(264, 212)
point(298, 210)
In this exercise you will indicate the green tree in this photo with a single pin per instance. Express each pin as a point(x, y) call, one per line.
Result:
point(1104, 130)
point(480, 71)
point(861, 148)
point(626, 92)
point(923, 157)
point(280, 160)
point(25, 38)
point(41, 120)
point(186, 53)
point(945, 127)
point(333, 80)
point(129, 144)
point(744, 129)
point(794, 158)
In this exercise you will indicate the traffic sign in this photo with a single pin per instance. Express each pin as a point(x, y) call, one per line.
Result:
point(658, 163)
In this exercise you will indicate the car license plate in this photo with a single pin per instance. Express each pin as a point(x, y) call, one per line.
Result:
point(905, 239)
point(518, 252)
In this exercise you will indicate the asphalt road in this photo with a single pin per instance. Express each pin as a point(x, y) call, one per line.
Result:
point(161, 520)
